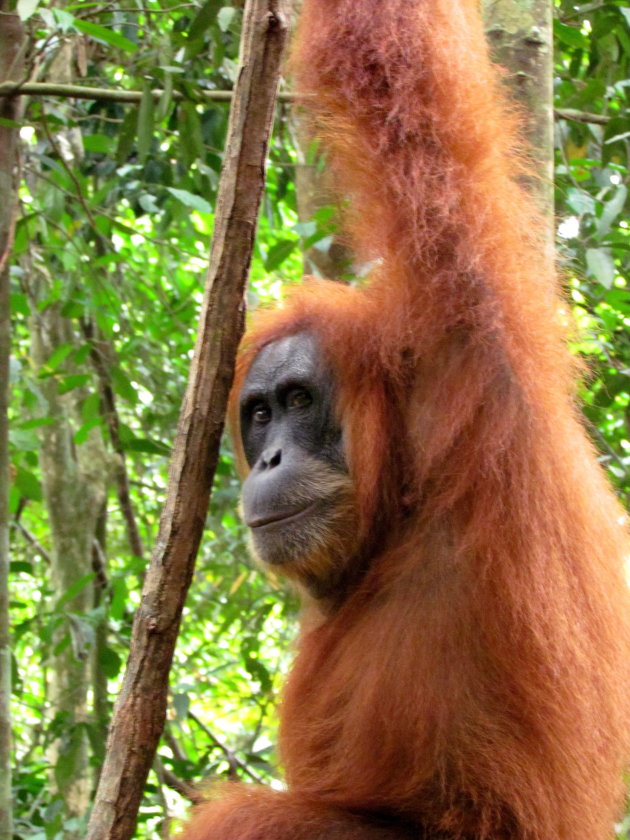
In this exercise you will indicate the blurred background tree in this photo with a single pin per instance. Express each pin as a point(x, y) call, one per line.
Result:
point(115, 216)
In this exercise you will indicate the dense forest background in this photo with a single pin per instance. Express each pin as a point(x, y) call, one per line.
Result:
point(115, 218)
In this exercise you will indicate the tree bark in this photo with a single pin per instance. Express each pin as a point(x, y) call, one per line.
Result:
point(520, 33)
point(10, 41)
point(74, 485)
point(141, 707)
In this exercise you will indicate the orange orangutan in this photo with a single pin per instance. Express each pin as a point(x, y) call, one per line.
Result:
point(463, 670)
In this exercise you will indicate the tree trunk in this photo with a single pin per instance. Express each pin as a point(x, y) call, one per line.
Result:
point(141, 707)
point(74, 489)
point(520, 33)
point(10, 41)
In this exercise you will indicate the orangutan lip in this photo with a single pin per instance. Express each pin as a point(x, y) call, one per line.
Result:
point(279, 518)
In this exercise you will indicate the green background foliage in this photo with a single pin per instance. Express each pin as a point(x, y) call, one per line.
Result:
point(116, 215)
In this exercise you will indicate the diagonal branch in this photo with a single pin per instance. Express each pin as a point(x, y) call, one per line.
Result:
point(141, 708)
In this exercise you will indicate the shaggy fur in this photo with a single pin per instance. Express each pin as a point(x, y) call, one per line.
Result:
point(476, 683)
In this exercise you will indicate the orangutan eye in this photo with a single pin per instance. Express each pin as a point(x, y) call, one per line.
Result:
point(298, 398)
point(260, 413)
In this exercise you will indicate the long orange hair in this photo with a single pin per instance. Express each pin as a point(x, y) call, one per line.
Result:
point(477, 682)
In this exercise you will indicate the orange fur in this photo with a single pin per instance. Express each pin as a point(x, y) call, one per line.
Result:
point(477, 683)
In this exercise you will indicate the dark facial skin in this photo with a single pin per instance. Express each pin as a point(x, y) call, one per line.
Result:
point(297, 499)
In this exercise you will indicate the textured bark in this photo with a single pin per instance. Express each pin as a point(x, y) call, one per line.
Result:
point(74, 490)
point(10, 39)
point(141, 707)
point(520, 33)
point(98, 677)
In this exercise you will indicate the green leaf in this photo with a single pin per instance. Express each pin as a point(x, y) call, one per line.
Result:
point(259, 672)
point(83, 433)
point(145, 123)
point(279, 252)
point(151, 447)
point(21, 566)
point(81, 354)
point(612, 209)
point(202, 20)
point(25, 8)
point(225, 17)
point(580, 201)
point(99, 143)
point(72, 309)
point(23, 440)
point(36, 422)
point(600, 265)
point(69, 383)
point(62, 645)
point(110, 662)
point(28, 484)
point(105, 34)
point(91, 407)
point(126, 136)
point(570, 36)
point(119, 599)
point(73, 590)
point(19, 303)
point(57, 356)
point(147, 202)
point(122, 385)
point(15, 497)
point(191, 200)
point(305, 229)
point(190, 134)
point(65, 21)
point(164, 104)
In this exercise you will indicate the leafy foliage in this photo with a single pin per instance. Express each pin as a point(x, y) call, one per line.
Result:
point(117, 205)
point(592, 78)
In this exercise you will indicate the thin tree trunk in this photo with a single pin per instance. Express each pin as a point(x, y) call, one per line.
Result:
point(98, 678)
point(520, 33)
point(141, 708)
point(73, 481)
point(10, 41)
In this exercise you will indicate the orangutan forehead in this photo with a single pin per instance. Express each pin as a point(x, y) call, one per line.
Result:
point(295, 357)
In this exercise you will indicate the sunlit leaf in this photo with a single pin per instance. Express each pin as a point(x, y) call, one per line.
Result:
point(191, 200)
point(601, 266)
point(105, 35)
point(25, 8)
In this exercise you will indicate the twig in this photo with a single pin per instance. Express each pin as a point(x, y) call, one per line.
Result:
point(117, 94)
point(99, 566)
point(231, 756)
point(30, 538)
point(183, 788)
point(581, 116)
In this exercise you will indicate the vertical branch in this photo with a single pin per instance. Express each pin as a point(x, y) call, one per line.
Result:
point(520, 33)
point(99, 353)
point(10, 40)
point(141, 708)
